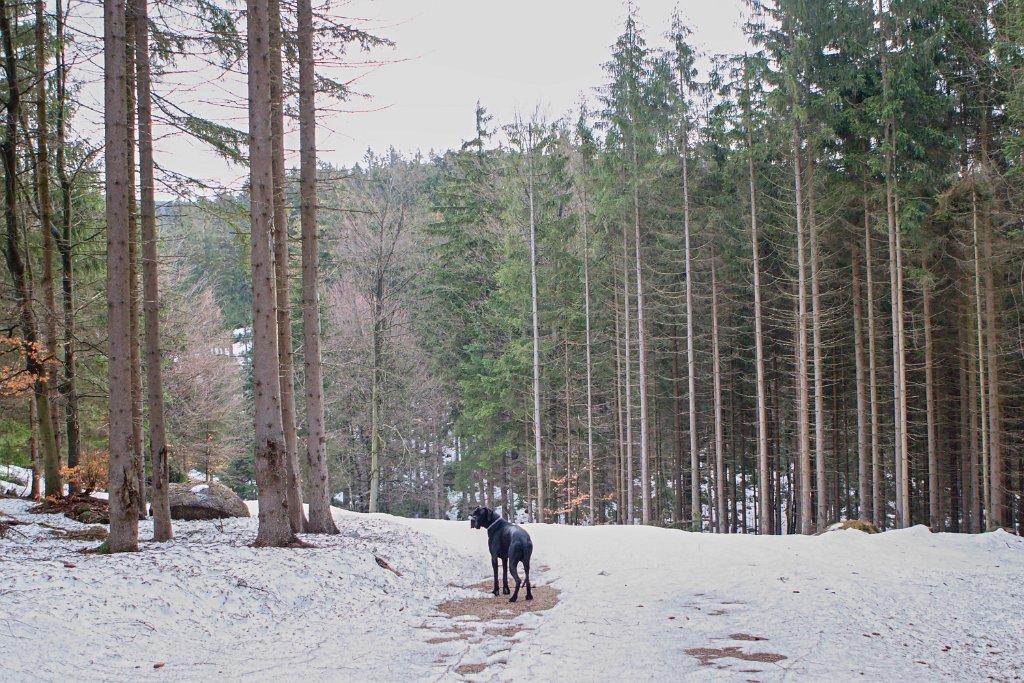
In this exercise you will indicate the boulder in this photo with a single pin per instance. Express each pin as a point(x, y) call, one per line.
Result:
point(196, 500)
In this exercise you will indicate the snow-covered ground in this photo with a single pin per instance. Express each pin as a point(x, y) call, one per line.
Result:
point(635, 604)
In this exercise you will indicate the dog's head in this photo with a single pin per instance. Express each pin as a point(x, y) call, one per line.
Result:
point(481, 518)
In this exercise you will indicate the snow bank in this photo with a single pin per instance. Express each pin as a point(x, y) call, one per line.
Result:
point(636, 603)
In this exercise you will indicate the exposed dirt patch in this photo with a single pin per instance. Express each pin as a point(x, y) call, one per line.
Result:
point(438, 641)
point(494, 607)
point(503, 631)
point(707, 655)
point(745, 636)
point(466, 669)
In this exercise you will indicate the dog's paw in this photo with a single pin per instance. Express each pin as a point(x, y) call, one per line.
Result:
point(495, 591)
point(506, 591)
point(512, 599)
point(529, 597)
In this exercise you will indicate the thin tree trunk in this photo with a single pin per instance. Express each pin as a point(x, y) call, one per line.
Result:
point(17, 266)
point(818, 353)
point(590, 394)
point(765, 525)
point(983, 404)
point(641, 344)
point(628, 363)
point(270, 450)
point(696, 512)
point(997, 511)
point(162, 530)
point(33, 447)
point(934, 506)
point(803, 418)
point(123, 474)
point(69, 388)
point(620, 431)
point(321, 521)
point(45, 220)
point(536, 340)
point(134, 295)
point(719, 427)
point(877, 501)
point(281, 267)
point(863, 454)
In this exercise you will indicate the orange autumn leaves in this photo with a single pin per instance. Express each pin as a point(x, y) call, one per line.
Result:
point(16, 357)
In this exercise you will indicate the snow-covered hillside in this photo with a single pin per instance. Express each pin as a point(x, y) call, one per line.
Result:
point(633, 604)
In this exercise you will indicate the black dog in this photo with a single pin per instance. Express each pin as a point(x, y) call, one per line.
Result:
point(509, 542)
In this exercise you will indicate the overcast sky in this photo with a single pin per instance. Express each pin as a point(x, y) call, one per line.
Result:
point(511, 55)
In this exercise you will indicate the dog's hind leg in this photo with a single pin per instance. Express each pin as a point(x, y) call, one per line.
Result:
point(515, 575)
point(494, 565)
point(526, 569)
point(504, 576)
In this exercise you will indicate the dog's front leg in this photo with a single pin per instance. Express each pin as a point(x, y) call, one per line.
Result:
point(504, 576)
point(494, 565)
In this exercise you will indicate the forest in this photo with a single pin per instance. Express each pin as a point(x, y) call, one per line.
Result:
point(745, 293)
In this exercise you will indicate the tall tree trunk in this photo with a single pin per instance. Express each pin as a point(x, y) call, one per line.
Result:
point(45, 220)
point(628, 400)
point(16, 263)
point(641, 345)
point(863, 455)
point(620, 419)
point(720, 519)
point(896, 287)
point(818, 353)
point(677, 425)
point(934, 505)
point(281, 268)
point(321, 521)
point(162, 529)
point(123, 473)
point(271, 453)
point(877, 500)
point(803, 418)
point(133, 263)
point(765, 525)
point(696, 515)
point(376, 396)
point(997, 511)
point(536, 339)
point(983, 404)
point(590, 394)
point(69, 388)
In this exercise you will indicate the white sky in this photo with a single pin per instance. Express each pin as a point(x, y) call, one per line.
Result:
point(512, 55)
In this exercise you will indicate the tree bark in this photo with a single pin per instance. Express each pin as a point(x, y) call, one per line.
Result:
point(271, 453)
point(641, 345)
point(281, 268)
point(134, 295)
point(764, 523)
point(719, 427)
point(934, 505)
point(628, 399)
point(162, 529)
point(123, 473)
point(863, 455)
point(803, 418)
point(321, 521)
point(69, 388)
point(536, 338)
point(818, 353)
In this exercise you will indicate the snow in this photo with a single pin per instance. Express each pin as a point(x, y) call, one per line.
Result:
point(903, 605)
point(199, 488)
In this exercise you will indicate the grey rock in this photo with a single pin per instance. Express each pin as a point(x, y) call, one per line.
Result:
point(201, 500)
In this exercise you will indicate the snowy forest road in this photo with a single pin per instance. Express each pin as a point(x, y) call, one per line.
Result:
point(392, 599)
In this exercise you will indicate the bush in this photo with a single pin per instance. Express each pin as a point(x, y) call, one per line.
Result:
point(90, 474)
